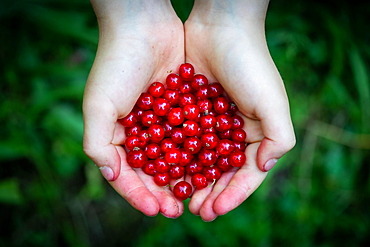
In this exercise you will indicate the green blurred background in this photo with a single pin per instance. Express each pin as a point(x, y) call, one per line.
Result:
point(52, 195)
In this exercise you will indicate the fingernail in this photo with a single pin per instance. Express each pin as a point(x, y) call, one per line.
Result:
point(270, 164)
point(107, 172)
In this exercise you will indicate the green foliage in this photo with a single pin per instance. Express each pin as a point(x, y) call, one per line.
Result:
point(52, 195)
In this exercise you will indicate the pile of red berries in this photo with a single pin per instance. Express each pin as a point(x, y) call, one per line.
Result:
point(187, 127)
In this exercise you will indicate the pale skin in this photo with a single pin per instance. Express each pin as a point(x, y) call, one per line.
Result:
point(225, 40)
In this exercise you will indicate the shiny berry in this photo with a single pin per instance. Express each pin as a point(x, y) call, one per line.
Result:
point(190, 128)
point(167, 144)
point(132, 142)
point(186, 158)
point(156, 89)
point(136, 158)
point(161, 165)
point(209, 140)
point(205, 106)
point(182, 190)
point(238, 135)
point(148, 118)
point(153, 150)
point(186, 71)
point(130, 120)
point(145, 101)
point(162, 179)
point(199, 181)
point(173, 81)
point(207, 157)
point(191, 112)
point(223, 163)
point(223, 123)
point(178, 136)
point(225, 147)
point(215, 90)
point(186, 87)
point(187, 99)
point(237, 158)
point(221, 105)
point(133, 131)
point(207, 121)
point(149, 168)
point(173, 156)
point(177, 171)
point(194, 167)
point(172, 96)
point(161, 106)
point(202, 92)
point(156, 133)
point(192, 145)
point(175, 116)
point(212, 173)
point(198, 80)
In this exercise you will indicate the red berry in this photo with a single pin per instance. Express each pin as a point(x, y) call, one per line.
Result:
point(202, 92)
point(136, 158)
point(199, 181)
point(148, 118)
point(191, 112)
point(177, 171)
point(223, 163)
point(149, 168)
point(238, 122)
point(207, 157)
point(190, 128)
point(161, 165)
point(237, 158)
point(225, 135)
point(129, 120)
point(132, 142)
point(167, 145)
point(186, 71)
point(209, 140)
point(223, 123)
point(198, 80)
point(167, 128)
point(178, 135)
point(161, 106)
point(187, 99)
point(145, 101)
point(186, 158)
point(182, 190)
point(175, 116)
point(194, 167)
point(221, 105)
point(162, 179)
point(133, 131)
point(225, 147)
point(156, 133)
point(192, 145)
point(172, 96)
point(212, 173)
point(242, 146)
point(207, 121)
point(205, 106)
point(186, 87)
point(153, 151)
point(238, 135)
point(173, 81)
point(156, 89)
point(173, 156)
point(215, 90)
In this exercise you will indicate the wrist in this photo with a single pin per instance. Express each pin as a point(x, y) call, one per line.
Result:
point(229, 12)
point(118, 15)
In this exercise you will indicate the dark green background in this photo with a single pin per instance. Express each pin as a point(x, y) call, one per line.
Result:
point(52, 195)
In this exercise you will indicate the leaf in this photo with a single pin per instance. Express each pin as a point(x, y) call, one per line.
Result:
point(9, 191)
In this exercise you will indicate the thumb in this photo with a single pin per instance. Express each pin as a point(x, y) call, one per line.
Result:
point(99, 132)
point(278, 138)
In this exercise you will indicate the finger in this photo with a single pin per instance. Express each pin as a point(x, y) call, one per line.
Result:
point(170, 207)
point(130, 186)
point(206, 210)
point(99, 127)
point(119, 134)
point(279, 135)
point(245, 181)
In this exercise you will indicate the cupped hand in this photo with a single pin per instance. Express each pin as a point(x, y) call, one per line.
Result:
point(137, 46)
point(230, 47)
